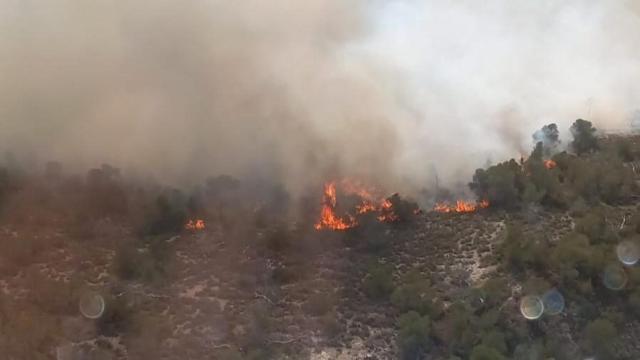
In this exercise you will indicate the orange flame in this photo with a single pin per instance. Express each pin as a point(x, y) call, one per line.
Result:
point(328, 217)
point(386, 212)
point(460, 206)
point(196, 225)
point(550, 164)
point(370, 201)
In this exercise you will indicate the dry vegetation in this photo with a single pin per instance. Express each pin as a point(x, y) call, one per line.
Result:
point(253, 285)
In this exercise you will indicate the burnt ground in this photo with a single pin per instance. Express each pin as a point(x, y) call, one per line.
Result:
point(303, 297)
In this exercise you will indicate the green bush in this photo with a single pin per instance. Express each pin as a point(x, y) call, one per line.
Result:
point(484, 352)
point(413, 335)
point(600, 335)
point(415, 294)
point(500, 184)
point(378, 283)
point(519, 252)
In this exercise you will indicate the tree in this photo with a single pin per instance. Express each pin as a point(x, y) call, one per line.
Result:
point(521, 252)
point(542, 184)
point(413, 334)
point(500, 184)
point(584, 138)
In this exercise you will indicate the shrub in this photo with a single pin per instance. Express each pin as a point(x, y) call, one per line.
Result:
point(520, 253)
point(279, 239)
point(378, 283)
point(404, 210)
point(413, 334)
point(149, 265)
point(117, 317)
point(599, 337)
point(484, 352)
point(415, 294)
point(330, 325)
point(319, 304)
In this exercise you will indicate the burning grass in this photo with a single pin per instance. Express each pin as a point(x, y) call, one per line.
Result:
point(461, 206)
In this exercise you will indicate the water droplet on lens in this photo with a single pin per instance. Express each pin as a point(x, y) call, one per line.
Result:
point(614, 277)
point(531, 307)
point(553, 302)
point(628, 252)
point(92, 305)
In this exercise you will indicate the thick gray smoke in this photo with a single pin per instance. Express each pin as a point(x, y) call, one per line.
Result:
point(297, 90)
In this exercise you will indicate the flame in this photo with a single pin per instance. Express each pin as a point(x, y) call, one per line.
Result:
point(461, 206)
point(328, 217)
point(550, 164)
point(196, 225)
point(365, 207)
point(386, 212)
point(370, 201)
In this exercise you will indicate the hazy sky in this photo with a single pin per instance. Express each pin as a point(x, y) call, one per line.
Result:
point(300, 90)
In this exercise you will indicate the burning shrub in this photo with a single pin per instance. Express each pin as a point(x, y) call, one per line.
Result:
point(360, 200)
point(401, 210)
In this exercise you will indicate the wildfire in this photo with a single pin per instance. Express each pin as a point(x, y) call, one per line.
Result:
point(369, 202)
point(195, 225)
point(550, 164)
point(328, 217)
point(461, 206)
point(386, 212)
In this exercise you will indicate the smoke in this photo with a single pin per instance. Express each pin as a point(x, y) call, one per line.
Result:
point(297, 90)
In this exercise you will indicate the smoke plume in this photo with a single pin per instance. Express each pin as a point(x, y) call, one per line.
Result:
point(296, 91)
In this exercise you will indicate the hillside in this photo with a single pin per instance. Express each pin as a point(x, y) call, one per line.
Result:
point(250, 284)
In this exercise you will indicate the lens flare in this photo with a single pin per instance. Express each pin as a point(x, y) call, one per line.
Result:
point(92, 305)
point(614, 277)
point(531, 307)
point(553, 302)
point(628, 252)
